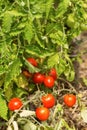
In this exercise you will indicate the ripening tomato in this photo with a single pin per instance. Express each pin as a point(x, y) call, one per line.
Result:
point(48, 100)
point(27, 74)
point(38, 78)
point(42, 113)
point(14, 104)
point(49, 81)
point(69, 100)
point(53, 73)
point(32, 61)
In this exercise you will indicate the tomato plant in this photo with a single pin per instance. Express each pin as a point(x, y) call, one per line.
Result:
point(69, 100)
point(53, 73)
point(37, 35)
point(48, 100)
point(49, 81)
point(32, 61)
point(42, 113)
point(38, 78)
point(14, 104)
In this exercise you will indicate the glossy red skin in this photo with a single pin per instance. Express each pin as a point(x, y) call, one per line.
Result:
point(48, 100)
point(42, 113)
point(38, 78)
point(32, 61)
point(49, 81)
point(26, 74)
point(53, 73)
point(69, 100)
point(14, 104)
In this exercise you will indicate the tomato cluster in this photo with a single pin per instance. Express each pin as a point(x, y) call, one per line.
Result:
point(38, 78)
point(47, 100)
point(43, 112)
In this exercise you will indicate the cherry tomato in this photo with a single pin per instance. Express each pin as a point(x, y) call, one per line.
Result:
point(32, 61)
point(14, 104)
point(27, 74)
point(69, 100)
point(48, 100)
point(53, 73)
point(42, 113)
point(38, 78)
point(49, 81)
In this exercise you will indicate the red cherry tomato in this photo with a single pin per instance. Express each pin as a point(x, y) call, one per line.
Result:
point(69, 100)
point(49, 81)
point(14, 104)
point(32, 61)
point(27, 74)
point(53, 73)
point(42, 113)
point(38, 78)
point(48, 100)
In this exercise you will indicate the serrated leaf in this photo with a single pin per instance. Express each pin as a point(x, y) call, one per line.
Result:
point(28, 31)
point(3, 108)
point(15, 32)
point(39, 52)
point(7, 21)
point(48, 6)
point(62, 8)
point(39, 42)
point(53, 60)
point(15, 13)
point(13, 72)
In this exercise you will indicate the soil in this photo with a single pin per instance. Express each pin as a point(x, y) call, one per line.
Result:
point(80, 83)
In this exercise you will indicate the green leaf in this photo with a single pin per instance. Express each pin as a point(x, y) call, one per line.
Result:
point(39, 42)
point(53, 60)
point(62, 8)
point(48, 6)
point(28, 31)
point(13, 72)
point(7, 21)
point(21, 81)
point(61, 66)
point(84, 81)
point(15, 13)
point(15, 32)
point(38, 51)
point(2, 69)
point(69, 73)
point(3, 107)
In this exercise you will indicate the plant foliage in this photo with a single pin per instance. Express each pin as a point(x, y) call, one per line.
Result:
point(42, 29)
